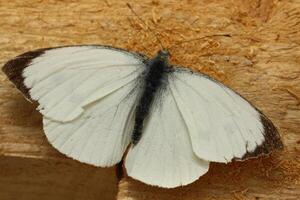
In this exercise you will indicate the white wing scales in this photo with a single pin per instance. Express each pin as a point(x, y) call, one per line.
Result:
point(64, 80)
point(222, 125)
point(164, 155)
point(101, 134)
point(86, 94)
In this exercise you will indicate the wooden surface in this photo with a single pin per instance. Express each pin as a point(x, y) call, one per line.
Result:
point(260, 59)
point(48, 179)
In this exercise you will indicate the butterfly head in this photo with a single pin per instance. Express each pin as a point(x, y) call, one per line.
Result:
point(163, 55)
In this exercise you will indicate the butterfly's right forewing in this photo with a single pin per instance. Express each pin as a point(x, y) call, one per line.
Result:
point(222, 125)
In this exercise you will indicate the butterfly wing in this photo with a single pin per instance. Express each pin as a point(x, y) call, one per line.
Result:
point(101, 134)
point(64, 80)
point(86, 95)
point(222, 125)
point(164, 156)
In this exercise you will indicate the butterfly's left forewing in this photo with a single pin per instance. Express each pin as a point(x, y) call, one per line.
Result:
point(222, 125)
point(63, 80)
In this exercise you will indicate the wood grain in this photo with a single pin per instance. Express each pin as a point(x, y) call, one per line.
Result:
point(32, 178)
point(260, 59)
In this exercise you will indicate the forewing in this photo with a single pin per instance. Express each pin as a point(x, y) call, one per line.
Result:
point(64, 80)
point(222, 125)
point(164, 156)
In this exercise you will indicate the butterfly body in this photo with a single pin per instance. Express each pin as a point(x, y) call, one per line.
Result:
point(153, 80)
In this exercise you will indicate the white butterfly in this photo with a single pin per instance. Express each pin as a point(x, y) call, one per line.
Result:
point(97, 101)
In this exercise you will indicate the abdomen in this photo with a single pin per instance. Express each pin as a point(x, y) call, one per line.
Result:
point(153, 81)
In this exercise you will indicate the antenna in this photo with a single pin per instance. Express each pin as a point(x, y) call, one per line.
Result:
point(199, 38)
point(148, 28)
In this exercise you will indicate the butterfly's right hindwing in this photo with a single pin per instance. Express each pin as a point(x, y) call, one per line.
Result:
point(164, 154)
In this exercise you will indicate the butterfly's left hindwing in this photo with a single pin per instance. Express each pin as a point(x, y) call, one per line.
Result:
point(86, 94)
point(101, 134)
point(222, 125)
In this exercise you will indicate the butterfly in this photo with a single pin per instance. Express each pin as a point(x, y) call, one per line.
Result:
point(99, 102)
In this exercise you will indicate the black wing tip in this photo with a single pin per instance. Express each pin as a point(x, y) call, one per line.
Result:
point(14, 69)
point(272, 140)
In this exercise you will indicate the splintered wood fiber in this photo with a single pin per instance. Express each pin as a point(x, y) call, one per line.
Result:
point(258, 56)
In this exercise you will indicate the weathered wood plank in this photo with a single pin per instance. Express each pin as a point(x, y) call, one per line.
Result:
point(260, 60)
point(34, 178)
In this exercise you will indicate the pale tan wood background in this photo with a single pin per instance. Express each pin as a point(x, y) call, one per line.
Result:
point(261, 60)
